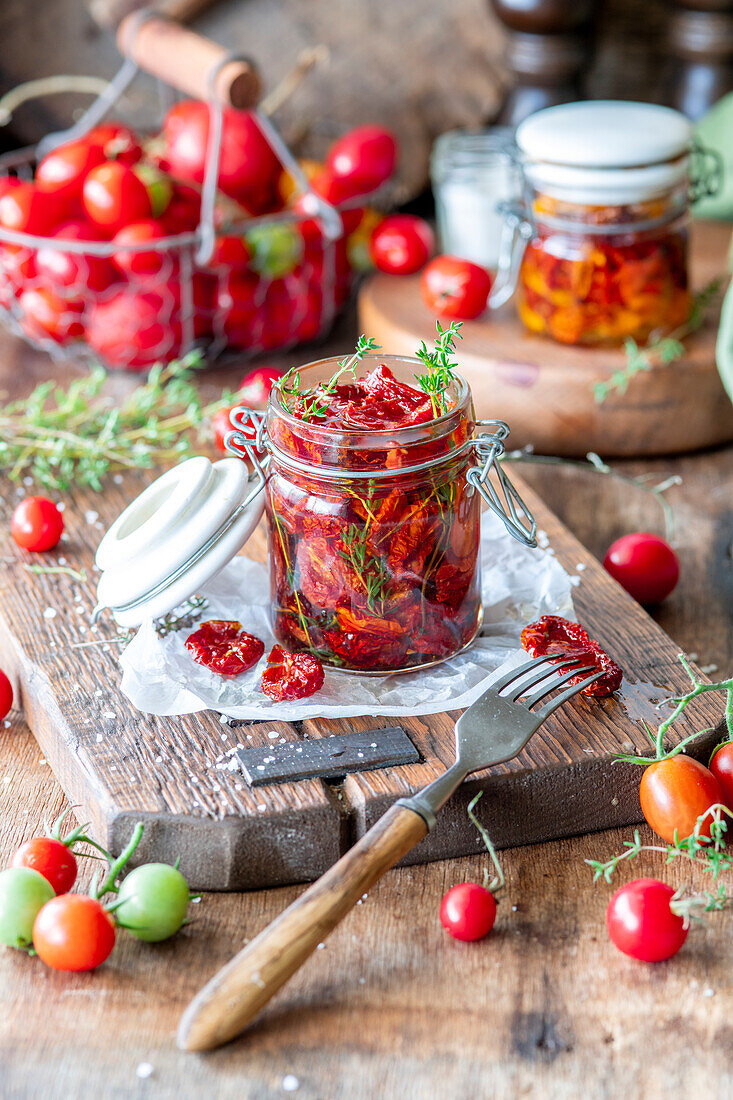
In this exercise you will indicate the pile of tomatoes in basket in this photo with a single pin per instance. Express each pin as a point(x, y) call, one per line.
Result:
point(112, 260)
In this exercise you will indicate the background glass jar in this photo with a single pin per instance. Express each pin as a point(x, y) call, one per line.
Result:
point(373, 536)
point(597, 247)
point(603, 274)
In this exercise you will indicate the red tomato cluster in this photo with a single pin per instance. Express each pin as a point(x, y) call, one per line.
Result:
point(137, 301)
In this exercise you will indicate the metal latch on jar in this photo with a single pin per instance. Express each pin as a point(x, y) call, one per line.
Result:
point(499, 494)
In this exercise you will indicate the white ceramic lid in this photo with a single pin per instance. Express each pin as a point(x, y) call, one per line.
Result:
point(175, 537)
point(605, 150)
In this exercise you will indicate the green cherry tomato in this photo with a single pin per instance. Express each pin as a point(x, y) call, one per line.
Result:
point(23, 893)
point(154, 901)
point(275, 250)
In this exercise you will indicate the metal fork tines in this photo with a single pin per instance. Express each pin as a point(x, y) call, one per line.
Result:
point(499, 724)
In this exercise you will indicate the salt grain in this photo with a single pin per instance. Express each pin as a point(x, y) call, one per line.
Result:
point(62, 561)
point(91, 516)
point(321, 946)
point(290, 1083)
point(99, 738)
point(144, 1070)
point(708, 992)
point(6, 723)
point(110, 714)
point(272, 735)
point(580, 567)
point(50, 613)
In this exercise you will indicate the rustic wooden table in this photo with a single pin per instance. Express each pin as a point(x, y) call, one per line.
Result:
point(392, 1006)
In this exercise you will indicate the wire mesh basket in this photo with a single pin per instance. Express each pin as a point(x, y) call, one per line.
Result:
point(222, 279)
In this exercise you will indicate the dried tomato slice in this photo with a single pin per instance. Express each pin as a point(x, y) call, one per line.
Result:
point(223, 646)
point(291, 675)
point(554, 634)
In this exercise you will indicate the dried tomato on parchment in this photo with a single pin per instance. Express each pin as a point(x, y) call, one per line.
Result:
point(291, 675)
point(224, 647)
point(553, 634)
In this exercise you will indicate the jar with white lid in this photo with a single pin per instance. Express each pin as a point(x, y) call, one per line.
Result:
point(373, 534)
point(604, 222)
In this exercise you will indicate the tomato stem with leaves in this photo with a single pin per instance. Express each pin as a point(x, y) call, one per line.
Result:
point(498, 881)
point(109, 885)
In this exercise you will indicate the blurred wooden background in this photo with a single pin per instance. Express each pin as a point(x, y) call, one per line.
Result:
point(422, 66)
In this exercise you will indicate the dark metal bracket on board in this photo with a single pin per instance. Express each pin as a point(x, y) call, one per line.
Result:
point(327, 757)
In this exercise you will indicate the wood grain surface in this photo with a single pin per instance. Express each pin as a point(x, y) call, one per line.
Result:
point(391, 1007)
point(545, 390)
point(121, 765)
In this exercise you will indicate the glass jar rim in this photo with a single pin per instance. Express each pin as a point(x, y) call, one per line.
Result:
point(361, 452)
point(462, 404)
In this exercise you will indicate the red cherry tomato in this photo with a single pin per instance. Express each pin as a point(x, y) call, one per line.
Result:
point(6, 695)
point(363, 158)
point(135, 329)
point(291, 675)
point(248, 168)
point(37, 524)
point(45, 315)
point(113, 196)
point(645, 565)
point(79, 271)
point(73, 932)
point(229, 252)
point(63, 171)
point(221, 426)
point(183, 212)
point(138, 261)
point(26, 208)
point(721, 765)
point(674, 792)
point(640, 922)
point(454, 288)
point(50, 858)
point(256, 386)
point(468, 911)
point(116, 141)
point(401, 244)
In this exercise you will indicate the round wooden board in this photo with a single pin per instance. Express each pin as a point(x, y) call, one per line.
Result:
point(545, 390)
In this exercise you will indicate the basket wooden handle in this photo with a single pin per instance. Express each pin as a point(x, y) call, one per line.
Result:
point(236, 994)
point(187, 60)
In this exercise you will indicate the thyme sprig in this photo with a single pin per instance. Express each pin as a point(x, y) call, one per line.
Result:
point(710, 855)
point(372, 571)
point(312, 402)
point(665, 349)
point(440, 365)
point(75, 435)
point(697, 689)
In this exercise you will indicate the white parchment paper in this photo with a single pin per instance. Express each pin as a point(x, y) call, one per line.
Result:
point(519, 585)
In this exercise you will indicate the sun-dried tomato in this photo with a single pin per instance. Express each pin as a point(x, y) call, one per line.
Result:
point(291, 675)
point(554, 634)
point(224, 647)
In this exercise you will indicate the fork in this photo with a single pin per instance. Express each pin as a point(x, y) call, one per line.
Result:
point(491, 731)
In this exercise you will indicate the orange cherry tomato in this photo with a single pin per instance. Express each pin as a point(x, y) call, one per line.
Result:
point(73, 932)
point(674, 793)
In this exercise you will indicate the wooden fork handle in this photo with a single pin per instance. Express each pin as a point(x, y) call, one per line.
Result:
point(236, 994)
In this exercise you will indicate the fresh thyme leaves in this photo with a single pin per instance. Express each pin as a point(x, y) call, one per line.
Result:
point(190, 613)
point(711, 855)
point(664, 350)
point(682, 701)
point(43, 570)
point(440, 367)
point(311, 403)
point(70, 436)
point(372, 571)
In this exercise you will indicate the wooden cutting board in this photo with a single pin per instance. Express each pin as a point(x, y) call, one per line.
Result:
point(545, 390)
point(120, 766)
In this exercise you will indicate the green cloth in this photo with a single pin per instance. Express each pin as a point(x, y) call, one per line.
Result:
point(715, 131)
